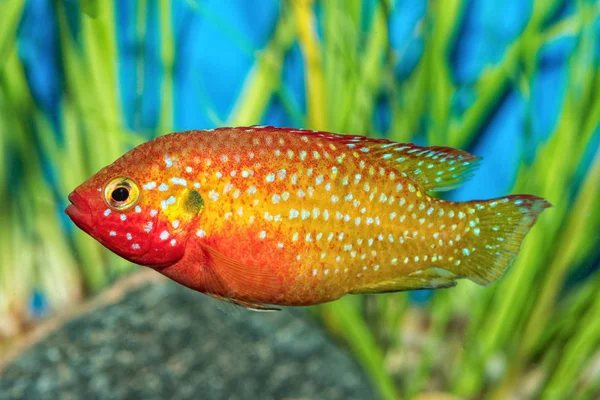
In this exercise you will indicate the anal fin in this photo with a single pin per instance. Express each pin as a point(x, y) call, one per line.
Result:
point(430, 278)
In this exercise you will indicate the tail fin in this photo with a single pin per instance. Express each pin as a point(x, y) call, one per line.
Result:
point(496, 235)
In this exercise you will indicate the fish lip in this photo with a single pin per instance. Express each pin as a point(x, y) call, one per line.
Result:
point(79, 211)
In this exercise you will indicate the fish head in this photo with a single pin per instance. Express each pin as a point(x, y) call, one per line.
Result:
point(139, 208)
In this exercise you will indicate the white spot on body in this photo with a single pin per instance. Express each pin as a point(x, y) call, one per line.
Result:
point(164, 235)
point(148, 227)
point(179, 181)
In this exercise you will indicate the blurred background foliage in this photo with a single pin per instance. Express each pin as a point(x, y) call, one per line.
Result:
point(517, 82)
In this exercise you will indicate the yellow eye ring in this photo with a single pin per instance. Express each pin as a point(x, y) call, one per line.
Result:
point(121, 193)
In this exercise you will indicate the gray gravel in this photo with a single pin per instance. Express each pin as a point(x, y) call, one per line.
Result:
point(164, 341)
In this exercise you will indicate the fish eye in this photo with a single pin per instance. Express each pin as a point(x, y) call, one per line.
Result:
point(121, 193)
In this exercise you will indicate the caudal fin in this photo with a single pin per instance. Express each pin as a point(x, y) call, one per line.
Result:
point(497, 230)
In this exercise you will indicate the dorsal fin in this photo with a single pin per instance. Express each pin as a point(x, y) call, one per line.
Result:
point(434, 168)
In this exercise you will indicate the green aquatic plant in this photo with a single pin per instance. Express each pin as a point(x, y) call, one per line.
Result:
point(535, 332)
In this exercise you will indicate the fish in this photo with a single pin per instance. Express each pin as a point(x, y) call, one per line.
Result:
point(263, 217)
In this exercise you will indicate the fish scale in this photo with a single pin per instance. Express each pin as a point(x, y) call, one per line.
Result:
point(263, 215)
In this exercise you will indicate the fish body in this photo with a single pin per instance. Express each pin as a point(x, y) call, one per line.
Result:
point(272, 216)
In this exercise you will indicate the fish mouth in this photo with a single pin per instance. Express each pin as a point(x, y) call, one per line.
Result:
point(79, 211)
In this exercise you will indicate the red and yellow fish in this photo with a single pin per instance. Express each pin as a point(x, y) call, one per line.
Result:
point(265, 216)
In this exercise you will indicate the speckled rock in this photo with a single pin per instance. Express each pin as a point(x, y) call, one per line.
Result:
point(164, 341)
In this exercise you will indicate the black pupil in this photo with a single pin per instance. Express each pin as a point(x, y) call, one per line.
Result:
point(120, 194)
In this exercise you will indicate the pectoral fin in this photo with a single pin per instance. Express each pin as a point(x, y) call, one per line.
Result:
point(238, 283)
